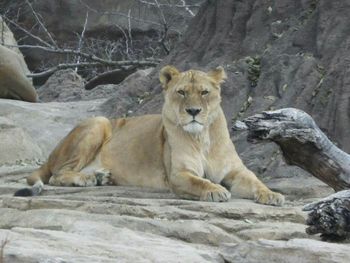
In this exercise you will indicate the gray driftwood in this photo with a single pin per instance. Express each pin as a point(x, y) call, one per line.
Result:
point(302, 143)
point(305, 145)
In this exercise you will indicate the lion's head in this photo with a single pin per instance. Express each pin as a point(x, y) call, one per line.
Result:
point(192, 98)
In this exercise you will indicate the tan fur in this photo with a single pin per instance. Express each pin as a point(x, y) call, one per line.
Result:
point(192, 155)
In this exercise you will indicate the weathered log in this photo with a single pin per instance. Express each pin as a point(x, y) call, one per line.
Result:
point(330, 216)
point(305, 145)
point(302, 143)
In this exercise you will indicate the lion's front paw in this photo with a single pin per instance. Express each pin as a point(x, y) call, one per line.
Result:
point(267, 197)
point(215, 193)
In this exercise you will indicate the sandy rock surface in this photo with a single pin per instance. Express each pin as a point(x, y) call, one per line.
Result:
point(129, 224)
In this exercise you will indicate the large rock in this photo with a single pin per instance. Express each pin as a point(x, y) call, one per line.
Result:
point(16, 144)
point(294, 250)
point(66, 85)
point(14, 83)
point(108, 224)
point(29, 132)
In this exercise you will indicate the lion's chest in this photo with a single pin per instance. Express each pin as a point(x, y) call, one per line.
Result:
point(210, 166)
point(215, 171)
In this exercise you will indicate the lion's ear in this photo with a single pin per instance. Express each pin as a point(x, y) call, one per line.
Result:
point(218, 75)
point(166, 75)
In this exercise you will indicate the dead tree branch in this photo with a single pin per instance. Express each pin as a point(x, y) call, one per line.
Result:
point(305, 145)
point(41, 24)
point(28, 33)
point(127, 49)
point(129, 29)
point(119, 64)
point(165, 28)
point(94, 60)
point(302, 143)
point(183, 4)
point(81, 38)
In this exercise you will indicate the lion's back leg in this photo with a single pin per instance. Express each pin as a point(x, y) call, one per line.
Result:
point(77, 150)
point(71, 178)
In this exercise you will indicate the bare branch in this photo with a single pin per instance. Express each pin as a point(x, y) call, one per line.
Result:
point(81, 38)
point(165, 28)
point(79, 53)
point(187, 8)
point(129, 28)
point(118, 64)
point(126, 40)
point(170, 5)
point(2, 31)
point(27, 32)
point(41, 24)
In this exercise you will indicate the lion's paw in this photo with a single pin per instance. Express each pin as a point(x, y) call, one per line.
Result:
point(215, 193)
point(102, 177)
point(84, 180)
point(267, 197)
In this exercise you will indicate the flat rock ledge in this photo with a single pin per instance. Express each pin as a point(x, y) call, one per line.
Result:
point(129, 224)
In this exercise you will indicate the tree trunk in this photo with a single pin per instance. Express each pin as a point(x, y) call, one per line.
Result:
point(302, 143)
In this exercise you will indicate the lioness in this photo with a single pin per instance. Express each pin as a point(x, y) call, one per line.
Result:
point(187, 148)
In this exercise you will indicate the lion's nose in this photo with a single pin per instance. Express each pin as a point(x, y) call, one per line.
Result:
point(193, 111)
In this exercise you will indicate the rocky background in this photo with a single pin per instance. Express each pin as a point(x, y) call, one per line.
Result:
point(276, 53)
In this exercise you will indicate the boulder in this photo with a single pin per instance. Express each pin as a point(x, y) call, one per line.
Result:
point(29, 132)
point(16, 144)
point(14, 83)
point(64, 85)
point(67, 85)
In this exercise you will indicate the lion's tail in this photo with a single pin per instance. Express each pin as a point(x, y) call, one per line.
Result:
point(37, 180)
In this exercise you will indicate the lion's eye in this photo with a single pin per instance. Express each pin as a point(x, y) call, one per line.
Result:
point(181, 92)
point(204, 92)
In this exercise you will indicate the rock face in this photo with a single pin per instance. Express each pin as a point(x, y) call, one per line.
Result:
point(104, 15)
point(13, 81)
